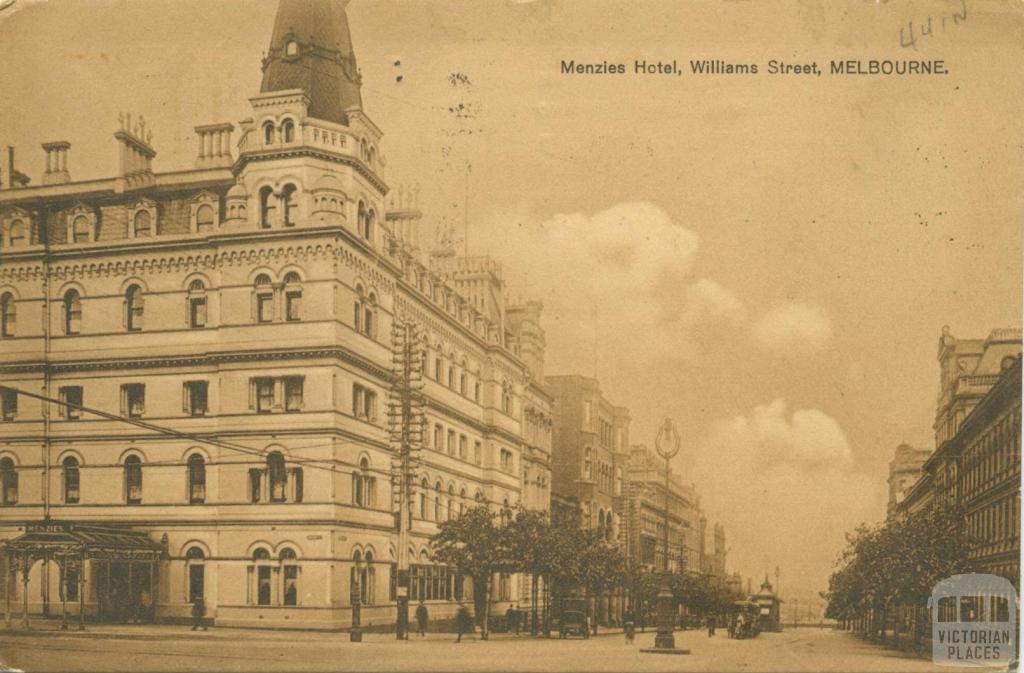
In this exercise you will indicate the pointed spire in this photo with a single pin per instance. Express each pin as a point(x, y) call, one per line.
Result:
point(311, 49)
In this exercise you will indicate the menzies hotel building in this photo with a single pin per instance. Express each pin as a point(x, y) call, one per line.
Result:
point(196, 370)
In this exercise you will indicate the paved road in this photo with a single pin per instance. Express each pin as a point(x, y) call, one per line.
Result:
point(171, 650)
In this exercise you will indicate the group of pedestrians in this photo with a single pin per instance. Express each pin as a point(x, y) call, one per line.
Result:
point(463, 621)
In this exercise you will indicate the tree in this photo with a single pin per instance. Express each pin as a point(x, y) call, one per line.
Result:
point(530, 539)
point(477, 547)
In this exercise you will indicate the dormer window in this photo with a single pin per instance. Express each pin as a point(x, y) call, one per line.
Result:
point(292, 48)
point(142, 224)
point(205, 213)
point(81, 225)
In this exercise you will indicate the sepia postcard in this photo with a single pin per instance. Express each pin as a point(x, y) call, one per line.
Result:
point(510, 335)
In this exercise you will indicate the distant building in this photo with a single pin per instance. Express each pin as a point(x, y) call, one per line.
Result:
point(769, 607)
point(904, 471)
point(645, 516)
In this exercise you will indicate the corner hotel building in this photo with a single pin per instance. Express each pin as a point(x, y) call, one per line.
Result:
point(232, 324)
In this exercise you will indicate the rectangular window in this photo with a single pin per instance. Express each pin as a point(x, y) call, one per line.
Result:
point(477, 452)
point(255, 484)
point(8, 405)
point(264, 390)
point(438, 438)
point(133, 400)
point(437, 369)
point(506, 460)
point(265, 307)
point(451, 442)
point(463, 444)
point(194, 394)
point(71, 395)
point(292, 305)
point(197, 312)
point(364, 402)
point(293, 393)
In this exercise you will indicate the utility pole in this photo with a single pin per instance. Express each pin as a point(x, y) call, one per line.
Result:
point(405, 428)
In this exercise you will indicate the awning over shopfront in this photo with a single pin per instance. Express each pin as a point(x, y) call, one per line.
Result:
point(70, 545)
point(56, 539)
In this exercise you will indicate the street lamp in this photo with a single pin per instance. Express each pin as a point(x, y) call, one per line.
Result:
point(667, 445)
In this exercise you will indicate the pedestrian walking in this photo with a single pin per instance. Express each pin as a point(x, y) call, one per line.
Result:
point(711, 625)
point(463, 622)
point(643, 621)
point(198, 611)
point(421, 619)
point(628, 625)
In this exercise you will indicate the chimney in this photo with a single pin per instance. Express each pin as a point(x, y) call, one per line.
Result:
point(56, 163)
point(214, 145)
point(136, 158)
point(10, 177)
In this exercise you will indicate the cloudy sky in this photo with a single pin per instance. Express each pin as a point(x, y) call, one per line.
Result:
point(768, 260)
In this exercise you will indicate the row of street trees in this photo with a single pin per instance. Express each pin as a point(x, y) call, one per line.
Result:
point(556, 550)
point(886, 573)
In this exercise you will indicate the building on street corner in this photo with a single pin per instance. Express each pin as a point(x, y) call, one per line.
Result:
point(216, 345)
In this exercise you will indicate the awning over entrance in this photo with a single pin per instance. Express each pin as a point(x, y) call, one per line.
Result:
point(83, 541)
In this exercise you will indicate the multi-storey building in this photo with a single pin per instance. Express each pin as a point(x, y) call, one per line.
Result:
point(644, 509)
point(203, 357)
point(978, 467)
point(904, 471)
point(590, 450)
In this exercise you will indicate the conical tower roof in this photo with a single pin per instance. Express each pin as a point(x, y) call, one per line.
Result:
point(311, 49)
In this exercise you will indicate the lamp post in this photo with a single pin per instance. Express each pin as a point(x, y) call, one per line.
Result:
point(667, 445)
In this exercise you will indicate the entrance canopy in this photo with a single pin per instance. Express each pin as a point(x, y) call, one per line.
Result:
point(83, 541)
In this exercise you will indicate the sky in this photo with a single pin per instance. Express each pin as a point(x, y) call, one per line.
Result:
point(768, 260)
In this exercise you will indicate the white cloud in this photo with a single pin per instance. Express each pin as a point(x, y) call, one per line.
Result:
point(793, 326)
point(784, 486)
point(621, 276)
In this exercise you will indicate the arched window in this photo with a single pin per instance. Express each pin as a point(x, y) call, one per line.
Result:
point(268, 208)
point(371, 219)
point(478, 497)
point(8, 481)
point(289, 204)
point(261, 571)
point(16, 233)
point(357, 318)
point(288, 130)
point(289, 577)
point(81, 230)
point(462, 501)
point(268, 133)
point(437, 502)
point(196, 479)
point(364, 485)
point(277, 476)
point(370, 316)
point(361, 219)
point(196, 304)
point(462, 382)
point(205, 218)
point(72, 312)
point(292, 48)
point(600, 523)
point(292, 297)
point(142, 224)
point(264, 298)
point(134, 305)
point(506, 397)
point(69, 468)
point(133, 480)
point(451, 502)
point(8, 315)
point(587, 463)
point(367, 579)
point(195, 562)
point(451, 376)
point(424, 509)
point(506, 513)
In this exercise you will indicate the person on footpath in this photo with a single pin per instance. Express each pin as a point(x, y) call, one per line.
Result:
point(463, 622)
point(628, 625)
point(711, 624)
point(421, 619)
point(198, 610)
